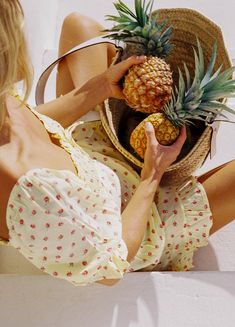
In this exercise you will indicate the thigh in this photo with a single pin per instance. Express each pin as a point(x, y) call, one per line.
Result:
point(219, 185)
point(202, 178)
point(78, 68)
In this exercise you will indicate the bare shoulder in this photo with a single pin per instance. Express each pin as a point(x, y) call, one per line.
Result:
point(8, 162)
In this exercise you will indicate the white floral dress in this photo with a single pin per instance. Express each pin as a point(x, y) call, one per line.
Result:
point(70, 227)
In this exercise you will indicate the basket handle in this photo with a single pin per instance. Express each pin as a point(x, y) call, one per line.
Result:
point(42, 81)
point(215, 126)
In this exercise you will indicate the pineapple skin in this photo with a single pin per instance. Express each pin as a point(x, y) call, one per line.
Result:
point(148, 86)
point(166, 133)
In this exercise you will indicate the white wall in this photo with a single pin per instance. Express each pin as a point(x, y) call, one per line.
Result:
point(221, 12)
point(140, 300)
point(44, 19)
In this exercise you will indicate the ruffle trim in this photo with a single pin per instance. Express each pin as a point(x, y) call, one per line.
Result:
point(187, 224)
point(197, 222)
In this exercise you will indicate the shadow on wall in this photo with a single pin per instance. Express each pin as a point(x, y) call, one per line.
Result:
point(212, 278)
point(205, 259)
point(144, 294)
point(140, 299)
point(113, 306)
point(140, 294)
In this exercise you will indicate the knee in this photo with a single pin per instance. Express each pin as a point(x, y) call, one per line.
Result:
point(231, 163)
point(74, 19)
point(77, 22)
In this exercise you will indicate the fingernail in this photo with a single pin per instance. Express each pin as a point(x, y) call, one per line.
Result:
point(140, 57)
point(148, 125)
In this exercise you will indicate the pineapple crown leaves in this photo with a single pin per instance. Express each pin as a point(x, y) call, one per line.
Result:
point(201, 98)
point(141, 28)
point(129, 19)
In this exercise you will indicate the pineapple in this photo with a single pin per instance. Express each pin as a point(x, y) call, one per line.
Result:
point(148, 86)
point(199, 100)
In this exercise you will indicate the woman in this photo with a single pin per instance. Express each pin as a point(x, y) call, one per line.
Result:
point(77, 210)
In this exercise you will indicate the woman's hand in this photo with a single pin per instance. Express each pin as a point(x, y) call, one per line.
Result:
point(159, 157)
point(114, 74)
point(139, 209)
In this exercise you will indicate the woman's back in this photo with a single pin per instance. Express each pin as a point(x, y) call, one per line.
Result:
point(25, 144)
point(62, 207)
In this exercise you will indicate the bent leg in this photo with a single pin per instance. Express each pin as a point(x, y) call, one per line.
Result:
point(219, 184)
point(78, 68)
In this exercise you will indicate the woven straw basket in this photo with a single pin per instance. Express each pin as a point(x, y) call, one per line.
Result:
point(187, 26)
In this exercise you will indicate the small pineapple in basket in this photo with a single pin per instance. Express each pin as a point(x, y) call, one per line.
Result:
point(148, 86)
point(199, 100)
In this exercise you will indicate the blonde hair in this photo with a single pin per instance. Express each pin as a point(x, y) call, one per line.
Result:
point(14, 60)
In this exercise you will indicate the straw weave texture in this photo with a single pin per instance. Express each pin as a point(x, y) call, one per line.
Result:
point(188, 25)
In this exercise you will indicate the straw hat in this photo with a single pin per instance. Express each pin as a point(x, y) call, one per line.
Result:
point(187, 25)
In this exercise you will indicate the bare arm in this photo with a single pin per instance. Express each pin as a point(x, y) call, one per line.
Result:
point(138, 211)
point(136, 215)
point(135, 218)
point(70, 107)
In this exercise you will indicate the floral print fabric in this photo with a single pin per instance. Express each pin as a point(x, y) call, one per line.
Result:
point(69, 226)
point(181, 218)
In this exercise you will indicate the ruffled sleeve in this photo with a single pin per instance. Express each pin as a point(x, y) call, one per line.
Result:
point(67, 227)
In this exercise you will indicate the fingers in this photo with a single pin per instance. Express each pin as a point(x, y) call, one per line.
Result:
point(150, 134)
point(114, 74)
point(119, 93)
point(133, 60)
point(181, 138)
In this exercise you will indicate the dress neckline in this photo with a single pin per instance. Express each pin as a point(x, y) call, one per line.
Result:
point(55, 130)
